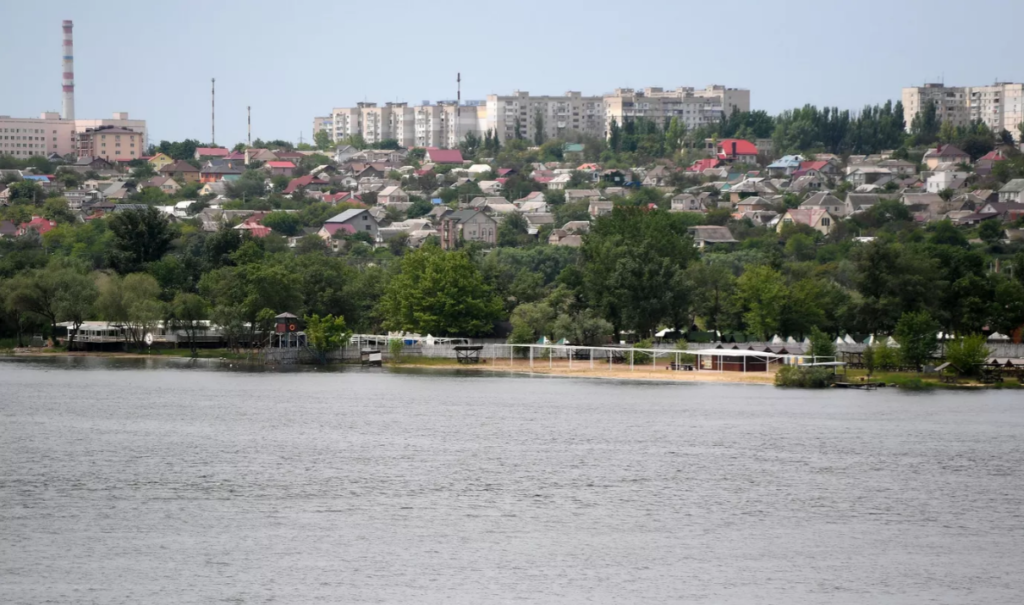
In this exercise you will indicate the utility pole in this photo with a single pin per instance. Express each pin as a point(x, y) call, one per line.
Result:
point(458, 107)
point(248, 119)
point(213, 111)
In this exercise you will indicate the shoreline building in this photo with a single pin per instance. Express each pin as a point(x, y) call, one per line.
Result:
point(1000, 106)
point(446, 123)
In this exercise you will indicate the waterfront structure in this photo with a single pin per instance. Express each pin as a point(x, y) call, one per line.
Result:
point(1000, 106)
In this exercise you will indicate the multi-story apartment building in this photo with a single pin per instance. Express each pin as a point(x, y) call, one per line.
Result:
point(950, 103)
point(694, 108)
point(27, 137)
point(110, 143)
point(120, 119)
point(559, 114)
point(1000, 106)
point(446, 123)
point(323, 123)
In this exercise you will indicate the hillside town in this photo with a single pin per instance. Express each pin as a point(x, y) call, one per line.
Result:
point(585, 219)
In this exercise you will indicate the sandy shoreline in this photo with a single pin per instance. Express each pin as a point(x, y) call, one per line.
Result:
point(559, 368)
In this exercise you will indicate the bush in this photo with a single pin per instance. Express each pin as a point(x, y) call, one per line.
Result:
point(804, 377)
point(968, 353)
point(640, 357)
point(395, 348)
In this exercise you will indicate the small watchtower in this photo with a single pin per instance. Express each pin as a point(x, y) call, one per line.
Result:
point(288, 332)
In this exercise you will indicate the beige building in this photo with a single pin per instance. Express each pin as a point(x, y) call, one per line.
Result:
point(694, 108)
point(1000, 106)
point(559, 115)
point(110, 143)
point(27, 137)
point(119, 119)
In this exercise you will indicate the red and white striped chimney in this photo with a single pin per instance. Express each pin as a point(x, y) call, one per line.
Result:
point(68, 79)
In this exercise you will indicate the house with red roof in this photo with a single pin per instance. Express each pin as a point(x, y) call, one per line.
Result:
point(309, 182)
point(38, 224)
point(343, 197)
point(253, 225)
point(209, 153)
point(444, 156)
point(737, 151)
point(821, 166)
point(280, 167)
point(705, 164)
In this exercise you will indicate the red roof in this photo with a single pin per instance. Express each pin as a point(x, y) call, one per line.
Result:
point(279, 164)
point(444, 156)
point(237, 155)
point(258, 231)
point(994, 155)
point(332, 228)
point(302, 181)
point(818, 165)
point(38, 223)
point(702, 165)
point(725, 148)
point(214, 152)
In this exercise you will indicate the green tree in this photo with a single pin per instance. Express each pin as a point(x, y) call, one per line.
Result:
point(968, 353)
point(323, 141)
point(531, 321)
point(821, 344)
point(440, 293)
point(761, 293)
point(140, 237)
point(56, 209)
point(190, 312)
point(513, 231)
point(916, 334)
point(325, 335)
point(585, 328)
point(869, 359)
point(538, 128)
point(990, 231)
point(284, 223)
point(132, 303)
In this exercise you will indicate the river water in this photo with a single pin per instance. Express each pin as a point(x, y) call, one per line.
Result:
point(127, 482)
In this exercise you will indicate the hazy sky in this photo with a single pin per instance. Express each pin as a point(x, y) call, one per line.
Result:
point(295, 60)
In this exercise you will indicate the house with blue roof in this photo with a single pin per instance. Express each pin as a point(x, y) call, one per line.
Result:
point(785, 166)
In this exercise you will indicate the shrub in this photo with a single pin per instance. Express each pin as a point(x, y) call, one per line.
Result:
point(804, 377)
point(395, 348)
point(640, 357)
point(968, 353)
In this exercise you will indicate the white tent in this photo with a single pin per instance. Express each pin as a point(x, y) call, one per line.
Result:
point(777, 340)
point(849, 340)
point(891, 342)
point(791, 341)
point(996, 336)
point(838, 341)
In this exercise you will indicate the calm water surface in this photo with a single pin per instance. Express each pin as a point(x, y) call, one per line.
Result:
point(140, 482)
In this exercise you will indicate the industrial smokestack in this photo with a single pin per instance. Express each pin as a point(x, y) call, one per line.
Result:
point(68, 79)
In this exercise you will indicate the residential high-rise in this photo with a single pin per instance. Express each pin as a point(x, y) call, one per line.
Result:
point(694, 108)
point(1000, 106)
point(447, 123)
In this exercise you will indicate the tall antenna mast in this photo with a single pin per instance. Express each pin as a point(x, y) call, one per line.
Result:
point(458, 106)
point(248, 119)
point(213, 111)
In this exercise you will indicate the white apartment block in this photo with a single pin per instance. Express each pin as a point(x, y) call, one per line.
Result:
point(1000, 106)
point(120, 119)
point(694, 108)
point(571, 112)
point(445, 124)
point(323, 123)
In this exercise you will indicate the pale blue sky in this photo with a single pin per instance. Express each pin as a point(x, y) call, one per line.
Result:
point(294, 60)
